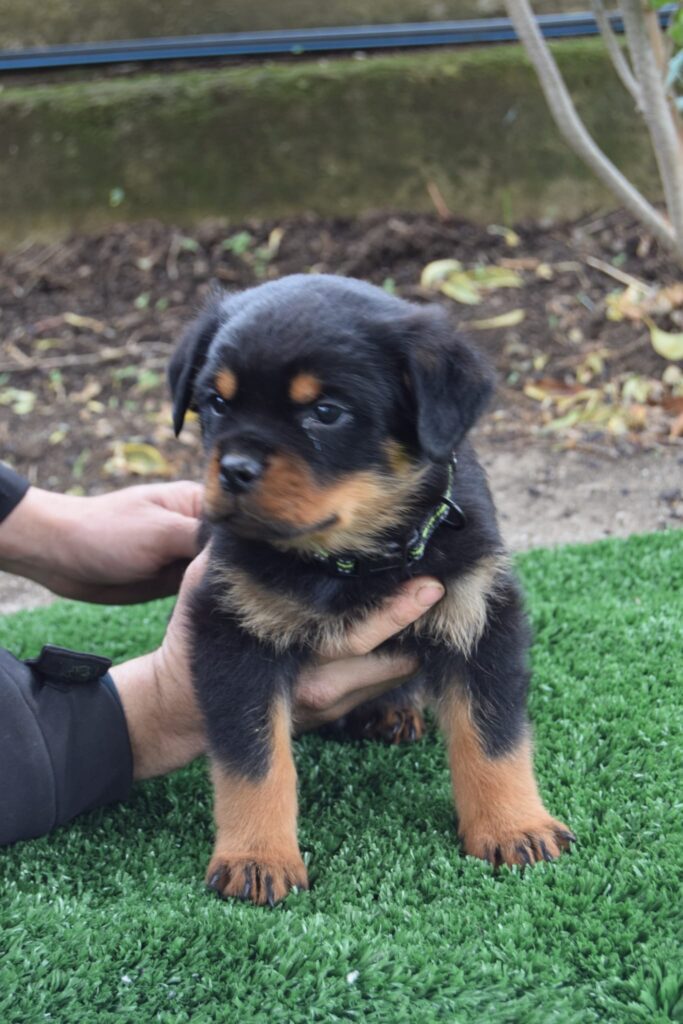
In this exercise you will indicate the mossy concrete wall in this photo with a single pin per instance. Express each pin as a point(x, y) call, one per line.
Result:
point(26, 23)
point(334, 137)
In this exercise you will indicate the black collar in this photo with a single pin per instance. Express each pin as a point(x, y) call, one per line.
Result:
point(401, 554)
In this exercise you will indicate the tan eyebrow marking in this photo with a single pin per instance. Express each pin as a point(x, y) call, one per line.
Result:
point(226, 384)
point(305, 387)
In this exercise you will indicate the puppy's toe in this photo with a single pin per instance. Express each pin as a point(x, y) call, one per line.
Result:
point(390, 725)
point(261, 880)
point(523, 843)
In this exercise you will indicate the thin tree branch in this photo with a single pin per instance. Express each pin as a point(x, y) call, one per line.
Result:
point(617, 56)
point(663, 129)
point(662, 49)
point(574, 131)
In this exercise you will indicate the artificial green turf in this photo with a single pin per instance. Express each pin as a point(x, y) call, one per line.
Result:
point(108, 920)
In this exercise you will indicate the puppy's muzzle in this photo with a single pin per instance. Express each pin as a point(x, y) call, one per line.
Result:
point(239, 473)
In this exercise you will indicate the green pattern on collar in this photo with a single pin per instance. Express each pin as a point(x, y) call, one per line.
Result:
point(348, 565)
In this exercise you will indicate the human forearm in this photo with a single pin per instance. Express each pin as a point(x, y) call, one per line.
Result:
point(129, 545)
point(34, 535)
point(164, 723)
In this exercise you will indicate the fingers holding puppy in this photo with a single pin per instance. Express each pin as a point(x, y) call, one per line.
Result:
point(351, 674)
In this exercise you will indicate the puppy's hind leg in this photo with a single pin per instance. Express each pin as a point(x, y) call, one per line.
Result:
point(394, 718)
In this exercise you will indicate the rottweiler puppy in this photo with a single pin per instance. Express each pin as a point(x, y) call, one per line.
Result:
point(334, 417)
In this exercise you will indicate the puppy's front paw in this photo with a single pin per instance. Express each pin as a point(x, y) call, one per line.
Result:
point(260, 880)
point(524, 842)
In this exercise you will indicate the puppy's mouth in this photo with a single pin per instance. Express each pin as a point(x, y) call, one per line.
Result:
point(246, 523)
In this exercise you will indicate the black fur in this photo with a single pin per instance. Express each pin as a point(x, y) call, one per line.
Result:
point(401, 373)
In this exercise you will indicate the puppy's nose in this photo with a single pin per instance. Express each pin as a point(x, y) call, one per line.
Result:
point(239, 473)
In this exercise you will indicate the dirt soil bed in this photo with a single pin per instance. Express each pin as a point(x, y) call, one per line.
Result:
point(87, 326)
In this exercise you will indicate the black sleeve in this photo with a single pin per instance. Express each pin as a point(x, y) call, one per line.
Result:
point(12, 489)
point(64, 745)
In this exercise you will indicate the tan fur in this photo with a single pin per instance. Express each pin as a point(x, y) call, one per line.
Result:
point(363, 505)
point(398, 458)
point(305, 388)
point(283, 620)
point(256, 823)
point(459, 619)
point(226, 384)
point(276, 618)
point(497, 800)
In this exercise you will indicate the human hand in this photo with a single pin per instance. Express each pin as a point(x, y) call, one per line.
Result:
point(164, 720)
point(119, 548)
point(351, 674)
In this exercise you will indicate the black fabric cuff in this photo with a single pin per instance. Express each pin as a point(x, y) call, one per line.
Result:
point(64, 749)
point(12, 489)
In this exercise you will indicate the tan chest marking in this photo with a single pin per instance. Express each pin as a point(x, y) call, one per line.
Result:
point(458, 620)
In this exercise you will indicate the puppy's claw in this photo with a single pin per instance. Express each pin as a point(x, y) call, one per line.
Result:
point(524, 854)
point(261, 882)
point(246, 891)
point(545, 851)
point(524, 845)
point(270, 895)
point(219, 879)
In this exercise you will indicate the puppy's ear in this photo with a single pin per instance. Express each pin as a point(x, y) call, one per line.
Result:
point(189, 356)
point(450, 382)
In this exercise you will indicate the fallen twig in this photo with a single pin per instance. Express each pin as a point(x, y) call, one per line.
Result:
point(619, 275)
point(105, 355)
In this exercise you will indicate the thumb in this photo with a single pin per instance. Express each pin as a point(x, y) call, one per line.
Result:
point(400, 611)
point(181, 536)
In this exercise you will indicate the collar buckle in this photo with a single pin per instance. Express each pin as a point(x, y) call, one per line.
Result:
point(456, 518)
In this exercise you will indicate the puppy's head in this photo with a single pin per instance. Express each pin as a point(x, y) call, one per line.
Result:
point(323, 402)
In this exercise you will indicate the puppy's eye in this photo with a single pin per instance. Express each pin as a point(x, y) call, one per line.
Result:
point(218, 404)
point(327, 413)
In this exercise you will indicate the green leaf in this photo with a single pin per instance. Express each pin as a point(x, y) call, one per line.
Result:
point(238, 243)
point(675, 29)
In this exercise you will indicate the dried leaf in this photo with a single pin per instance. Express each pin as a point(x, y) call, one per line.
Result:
point(545, 272)
point(636, 388)
point(467, 286)
point(637, 303)
point(511, 237)
point(672, 376)
point(636, 416)
point(137, 458)
point(84, 323)
point(676, 428)
point(21, 402)
point(490, 277)
point(90, 390)
point(665, 344)
point(550, 388)
point(509, 319)
point(592, 366)
point(460, 288)
point(436, 272)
